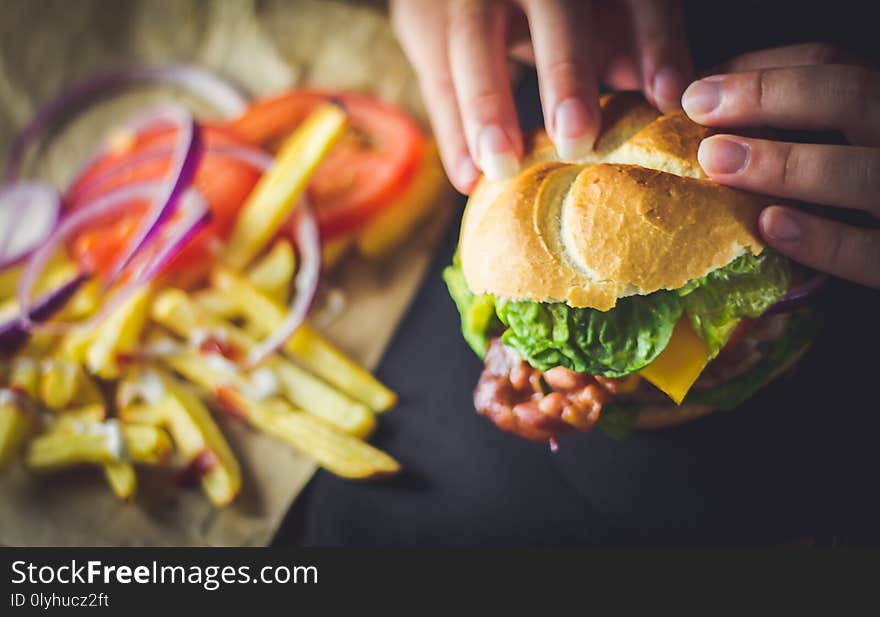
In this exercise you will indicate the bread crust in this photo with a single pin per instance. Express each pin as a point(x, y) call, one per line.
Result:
point(635, 216)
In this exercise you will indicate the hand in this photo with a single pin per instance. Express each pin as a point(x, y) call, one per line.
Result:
point(803, 87)
point(459, 49)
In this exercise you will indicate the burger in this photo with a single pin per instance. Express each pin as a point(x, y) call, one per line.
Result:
point(624, 290)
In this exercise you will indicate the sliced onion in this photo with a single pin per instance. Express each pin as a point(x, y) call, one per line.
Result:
point(196, 80)
point(28, 213)
point(250, 156)
point(195, 214)
point(14, 332)
point(800, 295)
point(187, 153)
point(309, 244)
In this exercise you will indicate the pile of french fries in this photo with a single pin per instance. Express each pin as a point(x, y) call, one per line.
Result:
point(140, 387)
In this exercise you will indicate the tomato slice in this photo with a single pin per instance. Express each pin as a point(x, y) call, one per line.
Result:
point(365, 171)
point(224, 182)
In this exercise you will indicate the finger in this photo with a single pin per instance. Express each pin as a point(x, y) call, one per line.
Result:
point(846, 176)
point(478, 61)
point(421, 29)
point(622, 74)
point(560, 33)
point(849, 252)
point(805, 54)
point(831, 97)
point(663, 51)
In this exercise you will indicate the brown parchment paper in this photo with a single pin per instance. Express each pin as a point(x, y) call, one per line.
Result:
point(264, 47)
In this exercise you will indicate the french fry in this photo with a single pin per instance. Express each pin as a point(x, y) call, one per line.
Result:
point(24, 376)
point(272, 273)
point(98, 443)
point(174, 310)
point(306, 346)
point(64, 383)
point(216, 303)
point(76, 418)
point(59, 381)
point(321, 400)
point(83, 303)
point(74, 345)
point(121, 478)
point(148, 445)
point(393, 223)
point(277, 192)
point(118, 334)
point(15, 424)
point(195, 433)
point(141, 413)
point(334, 450)
point(339, 452)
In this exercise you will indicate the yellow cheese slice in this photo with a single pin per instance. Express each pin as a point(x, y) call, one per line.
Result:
point(677, 367)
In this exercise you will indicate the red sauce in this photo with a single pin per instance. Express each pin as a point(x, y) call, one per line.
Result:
point(228, 350)
point(228, 400)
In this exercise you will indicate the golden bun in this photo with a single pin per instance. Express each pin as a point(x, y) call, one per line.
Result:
point(634, 216)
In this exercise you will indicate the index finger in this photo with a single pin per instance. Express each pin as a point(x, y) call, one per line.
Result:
point(569, 95)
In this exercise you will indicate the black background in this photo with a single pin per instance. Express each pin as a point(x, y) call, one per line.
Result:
point(798, 464)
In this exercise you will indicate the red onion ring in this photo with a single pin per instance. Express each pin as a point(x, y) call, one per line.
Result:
point(198, 81)
point(186, 157)
point(251, 156)
point(195, 215)
point(309, 244)
point(29, 212)
point(800, 295)
point(14, 333)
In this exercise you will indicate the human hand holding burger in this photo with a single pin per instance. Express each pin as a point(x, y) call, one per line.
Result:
point(801, 87)
point(618, 282)
point(460, 49)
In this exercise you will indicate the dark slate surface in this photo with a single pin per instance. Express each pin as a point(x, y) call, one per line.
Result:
point(800, 461)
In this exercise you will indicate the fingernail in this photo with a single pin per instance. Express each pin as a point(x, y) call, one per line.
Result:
point(702, 97)
point(572, 135)
point(496, 153)
point(778, 224)
point(668, 86)
point(719, 155)
point(466, 173)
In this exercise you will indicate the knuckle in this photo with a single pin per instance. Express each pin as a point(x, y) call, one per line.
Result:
point(868, 180)
point(863, 94)
point(564, 74)
point(485, 106)
point(791, 164)
point(763, 89)
point(468, 17)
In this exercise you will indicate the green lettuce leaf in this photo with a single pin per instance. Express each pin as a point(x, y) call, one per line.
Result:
point(478, 320)
point(619, 417)
point(746, 287)
point(630, 336)
point(611, 344)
